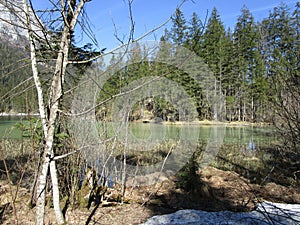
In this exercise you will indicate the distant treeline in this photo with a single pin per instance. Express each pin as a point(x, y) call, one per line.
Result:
point(17, 93)
point(254, 66)
point(17, 88)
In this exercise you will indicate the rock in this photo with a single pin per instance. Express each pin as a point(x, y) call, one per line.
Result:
point(265, 213)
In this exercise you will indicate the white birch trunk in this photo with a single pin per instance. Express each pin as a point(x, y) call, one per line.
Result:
point(35, 72)
point(41, 194)
point(42, 179)
point(49, 122)
point(55, 97)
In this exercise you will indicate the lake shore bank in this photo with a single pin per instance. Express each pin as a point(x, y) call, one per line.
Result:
point(209, 123)
point(196, 122)
point(12, 114)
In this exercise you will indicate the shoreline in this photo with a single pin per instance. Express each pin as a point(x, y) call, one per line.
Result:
point(210, 123)
point(196, 122)
point(4, 114)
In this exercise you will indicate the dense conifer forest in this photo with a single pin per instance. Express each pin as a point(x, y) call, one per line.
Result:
point(256, 66)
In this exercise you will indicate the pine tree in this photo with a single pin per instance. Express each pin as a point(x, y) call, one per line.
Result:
point(245, 45)
point(229, 81)
point(214, 49)
point(178, 33)
point(195, 34)
point(258, 83)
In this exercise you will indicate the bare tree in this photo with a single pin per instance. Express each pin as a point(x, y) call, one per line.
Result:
point(70, 11)
point(67, 14)
point(287, 118)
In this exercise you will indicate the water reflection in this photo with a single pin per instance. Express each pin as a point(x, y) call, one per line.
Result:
point(147, 146)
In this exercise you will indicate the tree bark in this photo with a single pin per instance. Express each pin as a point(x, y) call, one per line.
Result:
point(49, 120)
point(41, 194)
point(42, 179)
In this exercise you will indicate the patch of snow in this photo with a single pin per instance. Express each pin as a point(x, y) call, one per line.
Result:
point(5, 114)
point(265, 213)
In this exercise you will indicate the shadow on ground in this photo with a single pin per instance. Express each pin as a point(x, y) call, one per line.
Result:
point(217, 190)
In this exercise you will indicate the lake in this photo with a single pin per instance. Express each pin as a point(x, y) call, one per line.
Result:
point(244, 149)
point(149, 132)
point(152, 132)
point(8, 128)
point(239, 148)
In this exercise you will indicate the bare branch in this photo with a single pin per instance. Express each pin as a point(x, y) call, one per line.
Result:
point(40, 25)
point(121, 46)
point(7, 95)
point(132, 23)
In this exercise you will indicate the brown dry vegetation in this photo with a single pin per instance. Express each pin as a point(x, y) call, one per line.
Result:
point(213, 190)
point(218, 190)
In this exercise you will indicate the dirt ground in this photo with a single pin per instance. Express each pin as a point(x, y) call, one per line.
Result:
point(219, 190)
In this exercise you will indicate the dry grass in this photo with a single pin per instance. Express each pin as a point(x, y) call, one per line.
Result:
point(220, 190)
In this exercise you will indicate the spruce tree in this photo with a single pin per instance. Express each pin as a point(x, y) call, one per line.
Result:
point(245, 45)
point(195, 34)
point(178, 33)
point(214, 47)
point(283, 64)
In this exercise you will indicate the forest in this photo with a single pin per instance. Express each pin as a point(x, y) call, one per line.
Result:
point(256, 65)
point(255, 68)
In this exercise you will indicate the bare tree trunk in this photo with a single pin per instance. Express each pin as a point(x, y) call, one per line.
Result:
point(239, 104)
point(49, 121)
point(41, 194)
point(215, 111)
point(252, 108)
point(244, 108)
point(55, 97)
point(42, 179)
point(55, 191)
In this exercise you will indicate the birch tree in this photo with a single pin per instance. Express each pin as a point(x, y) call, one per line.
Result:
point(66, 13)
point(70, 11)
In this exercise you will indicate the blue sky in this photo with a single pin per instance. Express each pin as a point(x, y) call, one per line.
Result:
point(148, 14)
